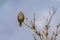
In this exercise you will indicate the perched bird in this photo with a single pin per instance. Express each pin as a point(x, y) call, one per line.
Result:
point(20, 18)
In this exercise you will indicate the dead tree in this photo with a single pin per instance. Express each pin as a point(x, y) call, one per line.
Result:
point(47, 26)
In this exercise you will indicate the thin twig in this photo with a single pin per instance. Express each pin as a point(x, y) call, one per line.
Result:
point(54, 11)
point(39, 34)
point(33, 26)
point(55, 38)
point(42, 37)
point(47, 26)
point(52, 36)
point(34, 37)
point(27, 25)
point(56, 34)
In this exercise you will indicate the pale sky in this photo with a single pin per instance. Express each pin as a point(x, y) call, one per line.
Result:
point(9, 9)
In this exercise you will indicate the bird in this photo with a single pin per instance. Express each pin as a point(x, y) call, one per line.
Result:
point(20, 18)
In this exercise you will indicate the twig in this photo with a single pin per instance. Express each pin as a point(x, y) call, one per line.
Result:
point(42, 37)
point(54, 11)
point(47, 25)
point(27, 25)
point(34, 19)
point(52, 36)
point(34, 37)
point(55, 38)
point(38, 33)
point(56, 34)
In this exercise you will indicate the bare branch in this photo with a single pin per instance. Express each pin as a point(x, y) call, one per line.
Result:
point(42, 37)
point(55, 35)
point(34, 37)
point(27, 25)
point(55, 38)
point(34, 19)
point(39, 34)
point(54, 11)
point(58, 25)
point(52, 36)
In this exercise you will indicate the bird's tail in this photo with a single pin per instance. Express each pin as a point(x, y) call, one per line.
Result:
point(20, 24)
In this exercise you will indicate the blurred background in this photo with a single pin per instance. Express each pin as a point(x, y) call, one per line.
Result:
point(9, 9)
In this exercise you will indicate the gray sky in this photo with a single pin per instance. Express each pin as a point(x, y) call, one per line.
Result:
point(9, 9)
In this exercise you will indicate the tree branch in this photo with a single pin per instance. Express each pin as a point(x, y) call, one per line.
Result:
point(54, 11)
point(34, 37)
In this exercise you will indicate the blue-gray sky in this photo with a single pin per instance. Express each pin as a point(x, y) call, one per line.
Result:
point(9, 9)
